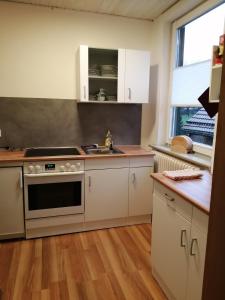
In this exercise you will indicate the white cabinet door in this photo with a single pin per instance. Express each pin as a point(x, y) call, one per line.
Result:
point(170, 234)
point(140, 191)
point(83, 87)
point(121, 75)
point(196, 264)
point(11, 202)
point(106, 194)
point(137, 74)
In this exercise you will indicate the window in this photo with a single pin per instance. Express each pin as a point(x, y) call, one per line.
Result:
point(191, 74)
point(195, 45)
point(195, 123)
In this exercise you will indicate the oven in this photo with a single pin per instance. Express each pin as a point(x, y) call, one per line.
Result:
point(53, 188)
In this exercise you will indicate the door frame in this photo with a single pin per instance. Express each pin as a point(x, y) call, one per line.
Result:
point(213, 286)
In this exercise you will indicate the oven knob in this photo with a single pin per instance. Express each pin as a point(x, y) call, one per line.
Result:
point(68, 165)
point(31, 168)
point(62, 168)
point(72, 168)
point(38, 168)
point(78, 166)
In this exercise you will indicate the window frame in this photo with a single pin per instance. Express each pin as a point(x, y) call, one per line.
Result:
point(175, 56)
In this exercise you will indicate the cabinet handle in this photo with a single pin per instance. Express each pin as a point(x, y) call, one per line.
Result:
point(183, 232)
point(84, 92)
point(168, 197)
point(129, 93)
point(89, 181)
point(193, 241)
point(21, 180)
point(133, 177)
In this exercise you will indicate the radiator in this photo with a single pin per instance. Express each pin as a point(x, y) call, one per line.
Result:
point(164, 162)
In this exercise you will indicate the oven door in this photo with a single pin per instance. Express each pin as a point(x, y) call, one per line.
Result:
point(53, 194)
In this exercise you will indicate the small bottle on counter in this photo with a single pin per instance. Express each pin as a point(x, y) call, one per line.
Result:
point(108, 140)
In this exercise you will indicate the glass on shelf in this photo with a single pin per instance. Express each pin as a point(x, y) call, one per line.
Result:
point(101, 96)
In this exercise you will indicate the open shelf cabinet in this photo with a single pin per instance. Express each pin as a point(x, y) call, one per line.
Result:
point(113, 75)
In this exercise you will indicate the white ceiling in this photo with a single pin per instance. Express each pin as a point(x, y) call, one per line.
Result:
point(140, 9)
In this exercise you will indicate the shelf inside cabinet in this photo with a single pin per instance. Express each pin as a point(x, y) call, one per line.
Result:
point(102, 77)
point(102, 102)
point(216, 73)
point(215, 84)
point(219, 66)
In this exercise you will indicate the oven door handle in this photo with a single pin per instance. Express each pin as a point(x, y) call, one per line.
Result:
point(53, 174)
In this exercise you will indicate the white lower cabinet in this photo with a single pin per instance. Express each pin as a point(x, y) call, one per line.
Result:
point(197, 260)
point(140, 191)
point(170, 246)
point(118, 188)
point(106, 194)
point(11, 203)
point(178, 245)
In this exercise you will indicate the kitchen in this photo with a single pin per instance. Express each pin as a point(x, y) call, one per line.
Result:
point(44, 69)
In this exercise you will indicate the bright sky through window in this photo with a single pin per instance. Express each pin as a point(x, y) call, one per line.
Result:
point(201, 34)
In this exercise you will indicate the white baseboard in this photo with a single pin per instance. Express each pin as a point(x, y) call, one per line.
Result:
point(70, 224)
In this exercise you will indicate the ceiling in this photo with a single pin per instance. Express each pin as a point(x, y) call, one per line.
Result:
point(139, 9)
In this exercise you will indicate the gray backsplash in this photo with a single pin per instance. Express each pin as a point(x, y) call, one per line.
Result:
point(57, 122)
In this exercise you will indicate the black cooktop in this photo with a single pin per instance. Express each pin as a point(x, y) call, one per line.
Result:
point(51, 151)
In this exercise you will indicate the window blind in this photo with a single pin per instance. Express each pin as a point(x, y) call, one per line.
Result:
point(189, 82)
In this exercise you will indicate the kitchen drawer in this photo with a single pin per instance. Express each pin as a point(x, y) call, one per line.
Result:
point(173, 200)
point(106, 163)
point(141, 162)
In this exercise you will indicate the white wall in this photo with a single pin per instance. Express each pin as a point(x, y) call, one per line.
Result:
point(38, 47)
point(38, 53)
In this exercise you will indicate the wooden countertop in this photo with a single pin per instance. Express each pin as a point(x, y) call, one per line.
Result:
point(196, 191)
point(128, 151)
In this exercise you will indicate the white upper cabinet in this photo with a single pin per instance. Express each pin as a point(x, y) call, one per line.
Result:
point(137, 75)
point(82, 80)
point(113, 75)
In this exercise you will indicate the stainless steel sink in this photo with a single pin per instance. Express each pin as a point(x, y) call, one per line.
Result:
point(94, 149)
point(51, 151)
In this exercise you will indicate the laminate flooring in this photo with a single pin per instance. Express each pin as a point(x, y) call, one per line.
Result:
point(108, 264)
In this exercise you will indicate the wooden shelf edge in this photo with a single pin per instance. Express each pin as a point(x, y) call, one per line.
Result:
point(219, 66)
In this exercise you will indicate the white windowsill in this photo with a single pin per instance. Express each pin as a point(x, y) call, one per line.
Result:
point(199, 159)
point(203, 149)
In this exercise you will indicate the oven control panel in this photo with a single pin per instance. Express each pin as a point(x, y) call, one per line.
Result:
point(71, 166)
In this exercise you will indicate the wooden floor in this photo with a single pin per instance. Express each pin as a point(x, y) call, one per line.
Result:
point(97, 265)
